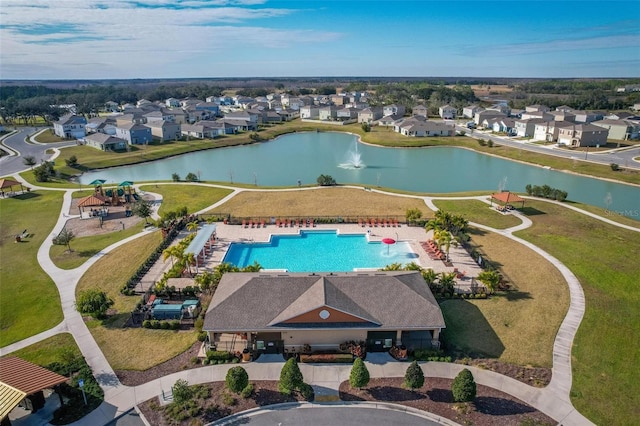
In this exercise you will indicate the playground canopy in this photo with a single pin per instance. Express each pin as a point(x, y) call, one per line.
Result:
point(98, 182)
point(126, 183)
point(507, 197)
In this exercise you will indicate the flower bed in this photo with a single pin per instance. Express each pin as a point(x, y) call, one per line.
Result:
point(344, 358)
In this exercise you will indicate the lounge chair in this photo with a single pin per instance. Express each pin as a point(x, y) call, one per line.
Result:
point(312, 224)
point(250, 223)
point(244, 223)
point(278, 223)
point(262, 223)
point(395, 221)
point(360, 222)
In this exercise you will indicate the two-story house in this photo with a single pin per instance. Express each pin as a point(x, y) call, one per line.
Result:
point(393, 109)
point(133, 133)
point(70, 127)
point(369, 115)
point(582, 135)
point(447, 112)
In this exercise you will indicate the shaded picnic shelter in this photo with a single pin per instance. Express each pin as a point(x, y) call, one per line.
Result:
point(202, 244)
point(21, 381)
point(95, 200)
point(507, 198)
point(8, 184)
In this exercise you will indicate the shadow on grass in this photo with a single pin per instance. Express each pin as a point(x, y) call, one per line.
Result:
point(264, 397)
point(87, 253)
point(468, 331)
point(116, 321)
point(531, 211)
point(513, 295)
point(26, 196)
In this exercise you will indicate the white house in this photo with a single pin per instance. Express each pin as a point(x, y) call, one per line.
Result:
point(70, 127)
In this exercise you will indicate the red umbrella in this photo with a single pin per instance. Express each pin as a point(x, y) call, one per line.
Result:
point(388, 242)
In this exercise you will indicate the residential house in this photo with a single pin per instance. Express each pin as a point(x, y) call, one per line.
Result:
point(565, 108)
point(369, 115)
point(212, 107)
point(243, 101)
point(562, 116)
point(620, 115)
point(203, 129)
point(70, 127)
point(582, 135)
point(408, 121)
point(133, 133)
point(291, 102)
point(289, 114)
point(328, 113)
point(502, 125)
point(172, 103)
point(105, 125)
point(310, 112)
point(292, 313)
point(180, 116)
point(142, 102)
point(420, 110)
point(189, 103)
point(162, 114)
point(447, 112)
point(470, 111)
point(525, 127)
point(346, 114)
point(487, 114)
point(502, 107)
point(337, 99)
point(111, 106)
point(250, 117)
point(546, 131)
point(537, 108)
point(427, 129)
point(136, 118)
point(587, 116)
point(388, 120)
point(269, 116)
point(239, 125)
point(276, 105)
point(193, 115)
point(393, 109)
point(620, 129)
point(105, 142)
point(164, 130)
point(541, 115)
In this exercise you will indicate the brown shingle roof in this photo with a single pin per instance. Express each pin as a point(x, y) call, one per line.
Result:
point(263, 301)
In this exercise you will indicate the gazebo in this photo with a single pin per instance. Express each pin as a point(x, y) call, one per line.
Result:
point(9, 183)
point(20, 379)
point(91, 201)
point(507, 198)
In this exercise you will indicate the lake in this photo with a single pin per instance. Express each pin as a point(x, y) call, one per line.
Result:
point(302, 157)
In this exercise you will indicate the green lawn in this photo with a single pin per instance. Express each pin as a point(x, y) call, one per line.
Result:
point(30, 302)
point(606, 382)
point(194, 197)
point(53, 349)
point(479, 212)
point(49, 137)
point(82, 248)
point(518, 326)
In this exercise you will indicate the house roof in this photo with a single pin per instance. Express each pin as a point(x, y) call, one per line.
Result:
point(272, 301)
point(27, 377)
point(103, 138)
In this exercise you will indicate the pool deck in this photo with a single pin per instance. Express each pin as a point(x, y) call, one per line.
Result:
point(227, 234)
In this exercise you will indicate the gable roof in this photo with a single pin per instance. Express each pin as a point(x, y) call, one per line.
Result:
point(272, 301)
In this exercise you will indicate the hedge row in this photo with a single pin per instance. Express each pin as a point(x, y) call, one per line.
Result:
point(133, 281)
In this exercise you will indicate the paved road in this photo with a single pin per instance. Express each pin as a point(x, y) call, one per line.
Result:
point(623, 157)
point(19, 147)
point(344, 416)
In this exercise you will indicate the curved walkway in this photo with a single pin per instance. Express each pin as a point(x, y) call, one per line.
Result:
point(554, 400)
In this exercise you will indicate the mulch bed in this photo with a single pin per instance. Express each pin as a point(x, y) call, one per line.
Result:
point(491, 406)
point(533, 376)
point(175, 364)
point(265, 393)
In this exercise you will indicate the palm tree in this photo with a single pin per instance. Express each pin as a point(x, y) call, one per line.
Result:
point(430, 276)
point(172, 252)
point(448, 281)
point(490, 279)
point(189, 259)
point(444, 238)
point(393, 267)
point(193, 226)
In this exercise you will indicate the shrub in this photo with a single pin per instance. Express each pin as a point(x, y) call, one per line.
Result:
point(307, 392)
point(146, 324)
point(93, 302)
point(228, 399)
point(165, 325)
point(414, 377)
point(155, 324)
point(182, 392)
point(615, 167)
point(205, 361)
point(219, 356)
point(290, 377)
point(247, 391)
point(464, 387)
point(202, 336)
point(174, 325)
point(237, 379)
point(359, 376)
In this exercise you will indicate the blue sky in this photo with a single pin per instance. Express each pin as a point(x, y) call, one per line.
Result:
point(72, 39)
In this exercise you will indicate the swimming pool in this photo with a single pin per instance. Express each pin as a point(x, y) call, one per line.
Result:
point(319, 251)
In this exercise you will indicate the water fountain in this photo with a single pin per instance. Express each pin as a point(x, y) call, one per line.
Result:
point(354, 159)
